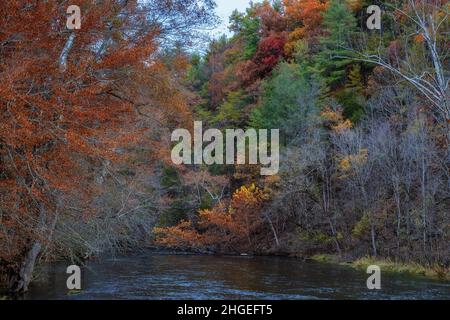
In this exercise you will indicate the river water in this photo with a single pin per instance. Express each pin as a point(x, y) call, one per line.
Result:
point(164, 276)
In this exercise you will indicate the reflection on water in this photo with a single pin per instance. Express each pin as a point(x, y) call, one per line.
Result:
point(160, 276)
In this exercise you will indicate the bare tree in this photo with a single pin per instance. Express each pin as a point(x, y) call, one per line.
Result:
point(430, 76)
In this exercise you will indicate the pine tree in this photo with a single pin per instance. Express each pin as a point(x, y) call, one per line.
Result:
point(354, 80)
point(352, 98)
point(332, 61)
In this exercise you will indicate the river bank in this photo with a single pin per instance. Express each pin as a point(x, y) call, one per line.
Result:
point(436, 272)
point(387, 265)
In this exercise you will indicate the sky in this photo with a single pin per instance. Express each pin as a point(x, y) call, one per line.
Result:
point(224, 10)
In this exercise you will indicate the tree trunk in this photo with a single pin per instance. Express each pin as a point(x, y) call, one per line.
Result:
point(27, 268)
point(335, 237)
point(277, 241)
point(26, 271)
point(399, 216)
point(424, 205)
point(65, 52)
point(374, 243)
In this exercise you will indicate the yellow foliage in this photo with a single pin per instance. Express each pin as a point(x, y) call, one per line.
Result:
point(350, 162)
point(332, 116)
point(336, 121)
point(343, 126)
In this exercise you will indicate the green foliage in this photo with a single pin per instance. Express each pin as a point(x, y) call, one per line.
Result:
point(196, 74)
point(247, 26)
point(316, 237)
point(332, 61)
point(206, 202)
point(170, 178)
point(353, 104)
point(231, 112)
point(277, 5)
point(294, 71)
point(178, 210)
point(289, 97)
point(174, 215)
point(411, 268)
point(326, 258)
point(361, 227)
point(202, 113)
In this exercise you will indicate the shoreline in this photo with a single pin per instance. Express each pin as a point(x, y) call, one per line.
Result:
point(411, 269)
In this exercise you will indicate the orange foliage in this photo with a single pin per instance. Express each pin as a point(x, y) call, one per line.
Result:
point(223, 229)
point(58, 124)
point(304, 19)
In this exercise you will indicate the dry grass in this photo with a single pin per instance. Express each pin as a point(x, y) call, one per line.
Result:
point(387, 265)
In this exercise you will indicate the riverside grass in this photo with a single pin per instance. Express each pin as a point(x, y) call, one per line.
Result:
point(387, 265)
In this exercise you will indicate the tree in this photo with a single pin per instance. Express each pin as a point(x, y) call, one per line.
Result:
point(352, 96)
point(339, 25)
point(247, 27)
point(69, 106)
point(365, 158)
point(289, 98)
point(221, 229)
point(269, 53)
point(305, 21)
point(421, 64)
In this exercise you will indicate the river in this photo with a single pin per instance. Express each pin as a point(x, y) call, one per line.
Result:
point(165, 276)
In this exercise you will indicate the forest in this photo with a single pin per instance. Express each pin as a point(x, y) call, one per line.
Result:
point(87, 116)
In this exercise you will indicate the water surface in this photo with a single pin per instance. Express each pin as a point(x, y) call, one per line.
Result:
point(164, 276)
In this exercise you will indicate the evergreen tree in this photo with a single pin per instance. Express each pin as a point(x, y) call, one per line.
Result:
point(290, 97)
point(246, 26)
point(352, 97)
point(332, 61)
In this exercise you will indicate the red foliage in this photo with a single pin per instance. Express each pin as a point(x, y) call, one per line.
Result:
point(270, 51)
point(271, 20)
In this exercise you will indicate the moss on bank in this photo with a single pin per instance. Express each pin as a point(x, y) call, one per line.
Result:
point(386, 265)
point(327, 258)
